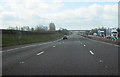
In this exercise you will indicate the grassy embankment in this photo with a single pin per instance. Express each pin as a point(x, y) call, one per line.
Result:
point(15, 39)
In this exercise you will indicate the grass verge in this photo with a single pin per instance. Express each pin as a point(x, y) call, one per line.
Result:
point(16, 39)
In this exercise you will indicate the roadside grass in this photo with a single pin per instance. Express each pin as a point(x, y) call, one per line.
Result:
point(16, 39)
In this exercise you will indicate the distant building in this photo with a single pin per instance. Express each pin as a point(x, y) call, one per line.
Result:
point(52, 27)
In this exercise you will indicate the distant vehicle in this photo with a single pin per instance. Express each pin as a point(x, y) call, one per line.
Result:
point(65, 37)
point(95, 34)
point(101, 33)
point(108, 33)
point(114, 34)
point(98, 33)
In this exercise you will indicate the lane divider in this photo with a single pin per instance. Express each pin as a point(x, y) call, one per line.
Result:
point(40, 53)
point(22, 62)
point(91, 52)
point(101, 61)
point(54, 46)
point(84, 45)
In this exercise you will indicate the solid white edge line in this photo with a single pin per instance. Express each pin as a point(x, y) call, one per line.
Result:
point(25, 47)
point(10, 49)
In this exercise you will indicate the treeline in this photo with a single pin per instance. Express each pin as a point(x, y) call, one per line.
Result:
point(104, 29)
point(39, 29)
point(4, 31)
point(26, 35)
point(64, 31)
point(96, 30)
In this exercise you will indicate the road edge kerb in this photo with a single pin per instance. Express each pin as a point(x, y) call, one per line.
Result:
point(102, 42)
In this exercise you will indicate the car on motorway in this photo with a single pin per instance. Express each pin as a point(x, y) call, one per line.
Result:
point(94, 34)
point(65, 37)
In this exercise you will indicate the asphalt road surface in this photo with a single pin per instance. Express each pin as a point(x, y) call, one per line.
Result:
point(75, 56)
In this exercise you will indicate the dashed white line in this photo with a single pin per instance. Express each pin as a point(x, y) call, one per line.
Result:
point(84, 45)
point(40, 53)
point(54, 46)
point(22, 62)
point(91, 52)
point(100, 61)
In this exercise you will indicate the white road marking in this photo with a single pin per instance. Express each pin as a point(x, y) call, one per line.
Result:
point(1, 51)
point(22, 62)
point(33, 45)
point(10, 49)
point(54, 46)
point(48, 43)
point(91, 52)
point(23, 47)
point(26, 46)
point(44, 43)
point(100, 61)
point(16, 48)
point(40, 53)
point(39, 44)
point(84, 45)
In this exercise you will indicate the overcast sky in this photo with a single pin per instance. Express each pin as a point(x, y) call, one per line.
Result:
point(69, 14)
